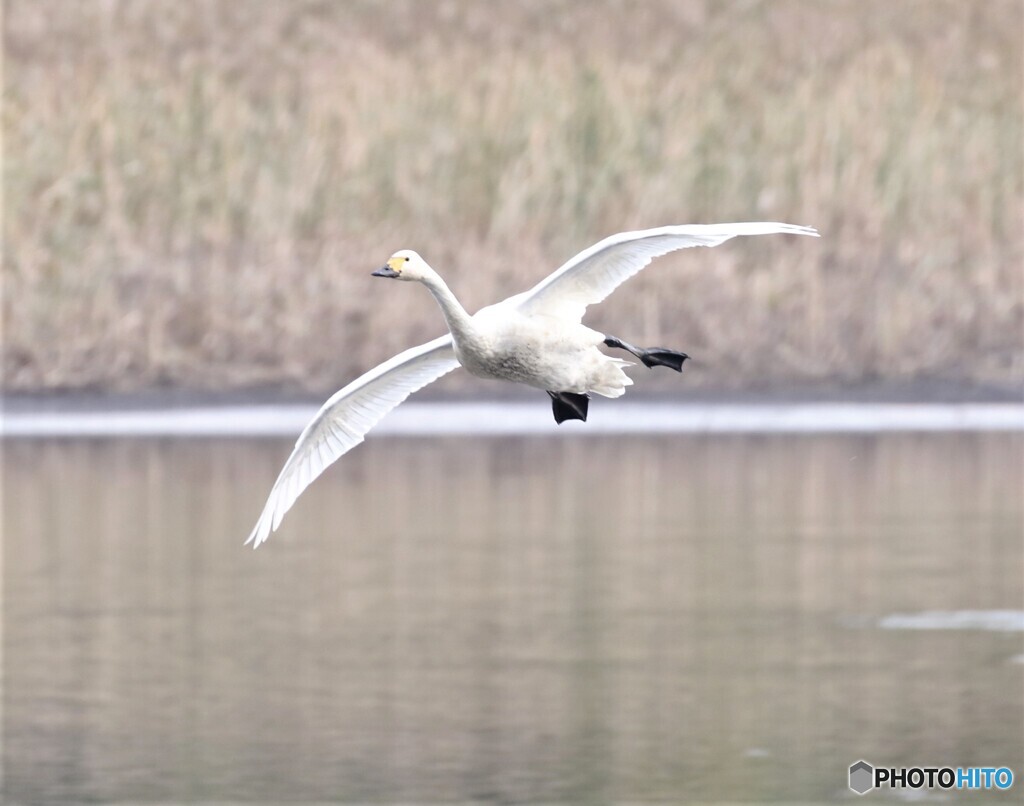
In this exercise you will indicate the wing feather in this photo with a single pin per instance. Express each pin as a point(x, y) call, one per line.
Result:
point(344, 420)
point(596, 272)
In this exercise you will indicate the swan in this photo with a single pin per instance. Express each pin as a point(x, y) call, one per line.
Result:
point(536, 338)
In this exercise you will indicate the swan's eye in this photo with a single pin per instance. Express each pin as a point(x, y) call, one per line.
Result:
point(407, 260)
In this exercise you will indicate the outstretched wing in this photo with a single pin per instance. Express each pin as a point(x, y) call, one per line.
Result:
point(594, 273)
point(343, 421)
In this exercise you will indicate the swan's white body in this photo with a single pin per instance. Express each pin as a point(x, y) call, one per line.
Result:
point(540, 351)
point(535, 338)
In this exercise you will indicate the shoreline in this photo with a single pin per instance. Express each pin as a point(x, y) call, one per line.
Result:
point(488, 419)
point(919, 406)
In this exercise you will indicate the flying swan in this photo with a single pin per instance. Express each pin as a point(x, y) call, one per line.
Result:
point(536, 338)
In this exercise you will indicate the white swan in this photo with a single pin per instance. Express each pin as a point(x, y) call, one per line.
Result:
point(535, 338)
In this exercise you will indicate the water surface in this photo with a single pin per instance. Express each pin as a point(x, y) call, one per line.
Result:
point(674, 617)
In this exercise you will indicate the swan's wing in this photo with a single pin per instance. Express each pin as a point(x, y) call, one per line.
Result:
point(343, 421)
point(594, 273)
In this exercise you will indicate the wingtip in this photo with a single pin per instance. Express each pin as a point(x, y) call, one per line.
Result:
point(257, 536)
point(793, 229)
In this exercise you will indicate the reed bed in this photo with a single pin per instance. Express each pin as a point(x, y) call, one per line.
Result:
point(195, 192)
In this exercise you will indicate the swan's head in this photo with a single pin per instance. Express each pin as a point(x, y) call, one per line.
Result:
point(404, 265)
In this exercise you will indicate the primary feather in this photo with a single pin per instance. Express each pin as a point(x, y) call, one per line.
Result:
point(344, 420)
point(596, 272)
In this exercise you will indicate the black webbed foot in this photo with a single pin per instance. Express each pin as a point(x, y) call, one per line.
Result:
point(653, 357)
point(662, 357)
point(569, 406)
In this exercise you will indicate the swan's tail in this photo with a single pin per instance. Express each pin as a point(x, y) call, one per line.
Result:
point(611, 380)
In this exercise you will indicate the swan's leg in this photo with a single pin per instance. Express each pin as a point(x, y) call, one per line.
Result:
point(569, 406)
point(651, 357)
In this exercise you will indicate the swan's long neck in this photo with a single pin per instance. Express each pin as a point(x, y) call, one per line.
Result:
point(455, 315)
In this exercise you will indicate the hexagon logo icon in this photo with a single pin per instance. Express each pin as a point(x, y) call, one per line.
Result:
point(862, 777)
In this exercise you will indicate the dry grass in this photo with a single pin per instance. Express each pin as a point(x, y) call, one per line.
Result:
point(196, 191)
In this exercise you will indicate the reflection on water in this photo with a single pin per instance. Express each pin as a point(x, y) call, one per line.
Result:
point(606, 619)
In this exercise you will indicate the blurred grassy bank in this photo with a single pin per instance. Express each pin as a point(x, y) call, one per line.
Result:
point(195, 192)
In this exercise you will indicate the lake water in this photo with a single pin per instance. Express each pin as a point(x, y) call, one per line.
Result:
point(673, 617)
